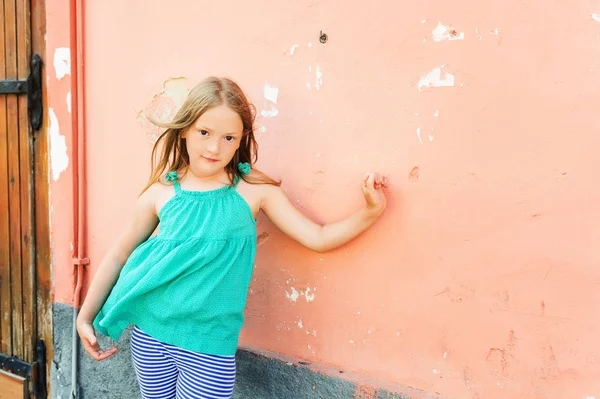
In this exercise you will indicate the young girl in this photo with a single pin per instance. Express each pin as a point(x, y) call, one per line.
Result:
point(184, 290)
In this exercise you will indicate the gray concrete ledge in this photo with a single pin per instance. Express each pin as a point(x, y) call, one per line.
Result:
point(260, 375)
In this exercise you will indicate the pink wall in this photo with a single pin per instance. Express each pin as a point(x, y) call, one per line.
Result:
point(59, 86)
point(481, 280)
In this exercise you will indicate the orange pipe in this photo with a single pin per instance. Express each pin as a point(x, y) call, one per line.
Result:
point(80, 258)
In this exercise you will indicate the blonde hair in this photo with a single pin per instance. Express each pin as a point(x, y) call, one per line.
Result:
point(170, 153)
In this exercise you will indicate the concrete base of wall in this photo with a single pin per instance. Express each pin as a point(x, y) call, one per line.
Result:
point(258, 376)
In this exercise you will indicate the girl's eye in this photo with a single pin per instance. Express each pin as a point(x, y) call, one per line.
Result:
point(229, 138)
point(203, 133)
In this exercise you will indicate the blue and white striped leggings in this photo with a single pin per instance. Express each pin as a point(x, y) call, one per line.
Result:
point(168, 372)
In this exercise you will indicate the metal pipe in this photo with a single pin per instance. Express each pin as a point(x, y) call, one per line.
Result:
point(78, 133)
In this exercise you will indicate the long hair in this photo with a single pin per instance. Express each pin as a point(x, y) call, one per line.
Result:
point(170, 152)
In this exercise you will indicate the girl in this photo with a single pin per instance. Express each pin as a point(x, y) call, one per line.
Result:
point(184, 290)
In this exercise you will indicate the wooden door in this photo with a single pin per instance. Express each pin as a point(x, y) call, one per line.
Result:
point(24, 233)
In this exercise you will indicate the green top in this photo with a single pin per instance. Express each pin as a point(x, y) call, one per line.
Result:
point(187, 286)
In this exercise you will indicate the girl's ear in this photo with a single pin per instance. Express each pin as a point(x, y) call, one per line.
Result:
point(185, 133)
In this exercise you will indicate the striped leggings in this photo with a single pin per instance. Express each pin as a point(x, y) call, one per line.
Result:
point(168, 372)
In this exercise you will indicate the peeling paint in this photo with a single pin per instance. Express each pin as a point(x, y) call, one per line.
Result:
point(318, 78)
point(309, 297)
point(59, 160)
point(69, 101)
point(443, 32)
point(164, 106)
point(269, 113)
point(271, 93)
point(293, 49)
point(419, 135)
point(434, 79)
point(62, 62)
point(596, 17)
point(293, 296)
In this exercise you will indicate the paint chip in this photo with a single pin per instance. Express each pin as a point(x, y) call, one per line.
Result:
point(419, 134)
point(443, 32)
point(62, 62)
point(434, 79)
point(69, 101)
point(293, 296)
point(596, 17)
point(318, 78)
point(59, 160)
point(269, 113)
point(271, 93)
point(309, 297)
point(293, 49)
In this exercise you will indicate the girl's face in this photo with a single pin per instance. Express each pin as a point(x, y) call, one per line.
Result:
point(212, 140)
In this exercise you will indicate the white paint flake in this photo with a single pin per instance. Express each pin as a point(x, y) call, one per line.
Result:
point(62, 62)
point(419, 135)
point(596, 17)
point(293, 296)
point(443, 32)
point(269, 113)
point(445, 354)
point(309, 297)
point(423, 21)
point(434, 79)
point(271, 93)
point(69, 101)
point(309, 44)
point(495, 32)
point(436, 113)
point(294, 47)
point(477, 34)
point(318, 78)
point(299, 323)
point(430, 137)
point(59, 160)
point(436, 371)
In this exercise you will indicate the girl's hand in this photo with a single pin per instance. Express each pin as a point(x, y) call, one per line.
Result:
point(373, 191)
point(90, 343)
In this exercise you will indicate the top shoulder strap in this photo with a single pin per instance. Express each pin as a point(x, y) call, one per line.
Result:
point(244, 168)
point(172, 176)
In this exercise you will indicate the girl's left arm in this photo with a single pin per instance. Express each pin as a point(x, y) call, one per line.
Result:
point(322, 238)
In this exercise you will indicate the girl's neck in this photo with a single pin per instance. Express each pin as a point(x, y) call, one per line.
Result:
point(200, 180)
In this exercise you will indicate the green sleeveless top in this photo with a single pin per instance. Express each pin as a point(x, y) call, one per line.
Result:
point(187, 286)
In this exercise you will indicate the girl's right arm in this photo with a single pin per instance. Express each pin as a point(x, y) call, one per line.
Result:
point(138, 229)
